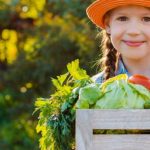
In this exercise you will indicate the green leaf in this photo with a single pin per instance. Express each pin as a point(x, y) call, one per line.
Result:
point(140, 90)
point(40, 102)
point(56, 83)
point(123, 95)
point(90, 93)
point(82, 104)
point(62, 78)
point(57, 113)
point(76, 72)
point(113, 79)
point(147, 104)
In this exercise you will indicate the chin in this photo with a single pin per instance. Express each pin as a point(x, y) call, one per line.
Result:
point(136, 57)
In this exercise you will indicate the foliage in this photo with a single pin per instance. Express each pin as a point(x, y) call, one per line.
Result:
point(57, 113)
point(37, 40)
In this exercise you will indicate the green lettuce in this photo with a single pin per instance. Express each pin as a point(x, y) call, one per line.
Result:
point(89, 95)
point(115, 93)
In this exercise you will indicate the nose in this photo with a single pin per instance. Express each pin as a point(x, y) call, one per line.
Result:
point(133, 29)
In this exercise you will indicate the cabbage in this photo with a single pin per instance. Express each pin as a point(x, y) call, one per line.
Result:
point(88, 96)
point(115, 93)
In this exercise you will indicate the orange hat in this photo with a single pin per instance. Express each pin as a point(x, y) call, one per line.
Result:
point(99, 8)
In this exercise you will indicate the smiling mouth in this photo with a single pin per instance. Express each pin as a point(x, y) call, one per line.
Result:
point(134, 43)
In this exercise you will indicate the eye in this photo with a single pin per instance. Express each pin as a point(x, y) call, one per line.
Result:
point(146, 19)
point(122, 18)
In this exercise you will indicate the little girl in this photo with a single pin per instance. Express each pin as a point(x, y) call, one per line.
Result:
point(125, 32)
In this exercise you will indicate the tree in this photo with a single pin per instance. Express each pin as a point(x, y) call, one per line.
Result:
point(38, 39)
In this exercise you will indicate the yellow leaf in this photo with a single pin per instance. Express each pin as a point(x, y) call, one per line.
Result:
point(76, 71)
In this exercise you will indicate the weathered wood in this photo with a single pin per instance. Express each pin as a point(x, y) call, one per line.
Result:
point(87, 120)
point(83, 130)
point(120, 119)
point(121, 142)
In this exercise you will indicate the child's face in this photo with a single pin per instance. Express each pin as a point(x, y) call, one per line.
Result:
point(129, 29)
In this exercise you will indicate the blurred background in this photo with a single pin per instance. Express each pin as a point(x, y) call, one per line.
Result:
point(37, 39)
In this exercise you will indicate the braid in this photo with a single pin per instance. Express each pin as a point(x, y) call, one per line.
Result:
point(109, 56)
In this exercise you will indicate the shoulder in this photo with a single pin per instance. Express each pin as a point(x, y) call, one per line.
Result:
point(98, 78)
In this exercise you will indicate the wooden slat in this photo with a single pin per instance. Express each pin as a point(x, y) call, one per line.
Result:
point(87, 120)
point(84, 132)
point(121, 119)
point(121, 142)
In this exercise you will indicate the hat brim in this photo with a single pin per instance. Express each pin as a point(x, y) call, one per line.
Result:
point(99, 8)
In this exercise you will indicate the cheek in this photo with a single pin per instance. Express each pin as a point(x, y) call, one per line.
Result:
point(148, 35)
point(116, 38)
point(117, 33)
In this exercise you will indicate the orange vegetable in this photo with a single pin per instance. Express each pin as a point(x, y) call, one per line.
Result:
point(140, 79)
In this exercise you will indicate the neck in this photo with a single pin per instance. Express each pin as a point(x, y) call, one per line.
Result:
point(137, 66)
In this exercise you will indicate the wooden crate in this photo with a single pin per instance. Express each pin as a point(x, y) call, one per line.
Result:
point(89, 119)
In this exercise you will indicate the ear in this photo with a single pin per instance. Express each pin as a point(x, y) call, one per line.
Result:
point(107, 25)
point(107, 28)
